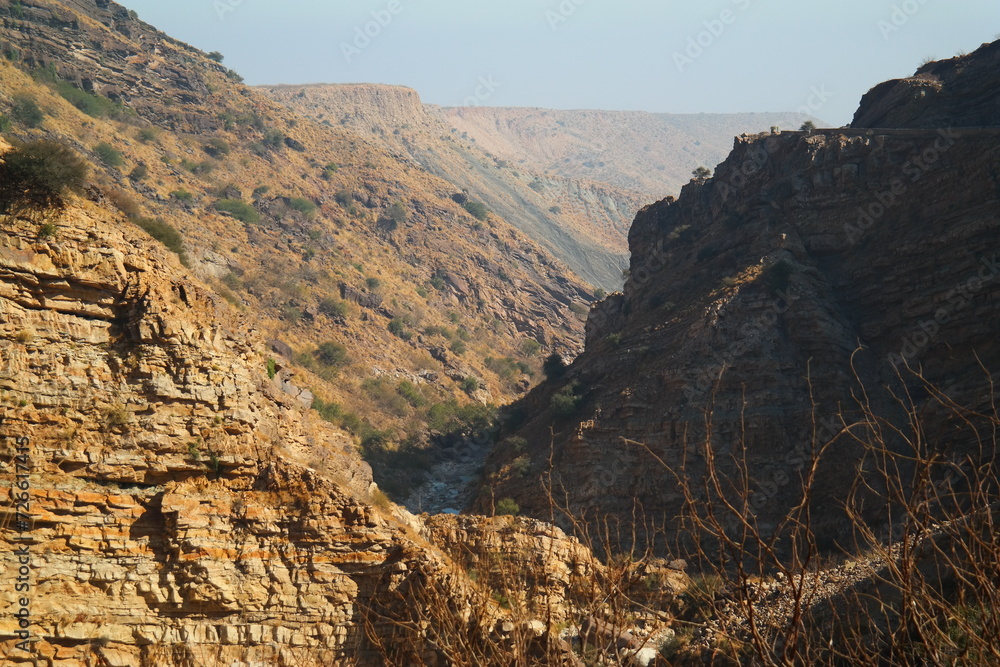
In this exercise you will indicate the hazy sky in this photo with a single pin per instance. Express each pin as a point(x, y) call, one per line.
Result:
point(663, 56)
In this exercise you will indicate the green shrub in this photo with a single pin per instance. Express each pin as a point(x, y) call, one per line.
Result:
point(329, 170)
point(40, 174)
point(507, 507)
point(239, 209)
point(411, 393)
point(216, 56)
point(521, 466)
point(198, 168)
point(516, 443)
point(217, 148)
point(449, 417)
point(182, 196)
point(332, 354)
point(165, 233)
point(398, 328)
point(95, 106)
point(458, 347)
point(303, 206)
point(476, 209)
point(140, 173)
point(147, 134)
point(373, 283)
point(108, 154)
point(530, 347)
point(5, 124)
point(272, 368)
point(470, 384)
point(565, 403)
point(333, 307)
point(397, 213)
point(25, 110)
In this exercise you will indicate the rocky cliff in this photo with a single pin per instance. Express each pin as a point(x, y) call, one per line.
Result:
point(761, 305)
point(181, 507)
point(330, 236)
point(958, 92)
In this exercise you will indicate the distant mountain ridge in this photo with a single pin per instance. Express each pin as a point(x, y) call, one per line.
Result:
point(653, 153)
point(571, 180)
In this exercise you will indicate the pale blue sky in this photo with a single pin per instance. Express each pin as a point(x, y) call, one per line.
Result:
point(756, 55)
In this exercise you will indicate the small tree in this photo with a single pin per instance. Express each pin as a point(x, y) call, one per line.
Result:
point(808, 126)
point(554, 366)
point(508, 507)
point(701, 173)
point(216, 56)
point(40, 174)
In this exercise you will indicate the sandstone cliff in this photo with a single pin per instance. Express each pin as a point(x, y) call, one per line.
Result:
point(760, 304)
point(183, 508)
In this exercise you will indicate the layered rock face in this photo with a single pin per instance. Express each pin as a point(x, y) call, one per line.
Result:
point(181, 509)
point(759, 304)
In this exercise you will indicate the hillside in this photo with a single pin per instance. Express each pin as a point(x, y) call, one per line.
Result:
point(584, 223)
point(822, 292)
point(392, 303)
point(651, 153)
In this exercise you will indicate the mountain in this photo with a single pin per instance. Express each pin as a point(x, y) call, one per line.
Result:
point(821, 290)
point(570, 180)
point(582, 223)
point(393, 304)
point(651, 153)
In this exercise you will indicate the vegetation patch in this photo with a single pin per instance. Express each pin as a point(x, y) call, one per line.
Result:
point(239, 209)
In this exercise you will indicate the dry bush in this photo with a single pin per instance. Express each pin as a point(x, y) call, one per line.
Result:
point(918, 582)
